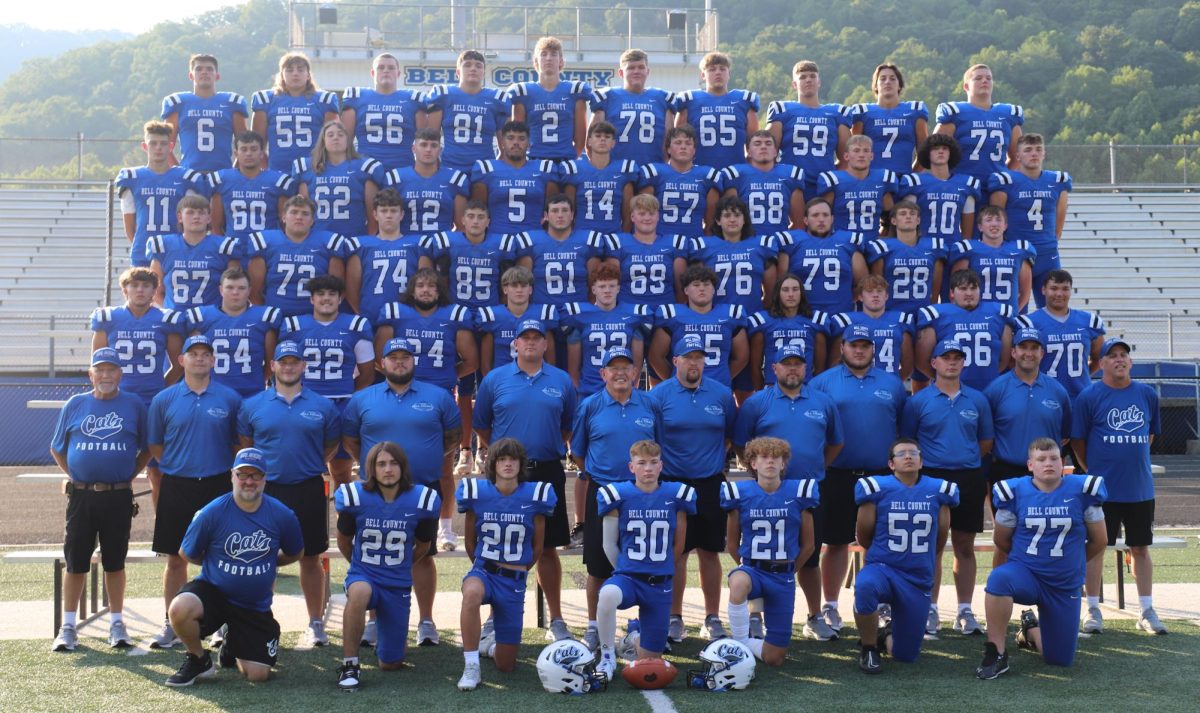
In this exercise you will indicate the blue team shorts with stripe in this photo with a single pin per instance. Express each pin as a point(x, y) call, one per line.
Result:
point(507, 597)
point(1058, 608)
point(778, 592)
point(654, 607)
point(880, 584)
point(392, 606)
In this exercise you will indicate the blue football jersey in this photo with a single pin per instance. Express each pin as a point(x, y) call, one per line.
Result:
point(238, 341)
point(596, 331)
point(720, 123)
point(893, 132)
point(499, 322)
point(826, 265)
point(640, 120)
point(887, 333)
point(906, 523)
point(780, 332)
point(384, 124)
point(768, 194)
point(340, 192)
point(1032, 205)
point(810, 135)
point(908, 269)
point(648, 270)
point(999, 268)
point(857, 202)
point(715, 328)
point(293, 123)
point(516, 197)
point(560, 271)
point(980, 332)
point(739, 266)
point(474, 269)
point(385, 267)
point(505, 525)
point(1068, 345)
point(683, 196)
point(469, 122)
point(384, 533)
point(251, 204)
point(647, 523)
point(599, 192)
point(205, 127)
point(290, 264)
point(156, 199)
point(550, 114)
point(192, 273)
point(1050, 529)
point(330, 350)
point(429, 201)
point(141, 344)
point(943, 203)
point(432, 338)
point(982, 134)
point(770, 523)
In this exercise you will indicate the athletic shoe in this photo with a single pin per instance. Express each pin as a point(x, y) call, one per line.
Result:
point(832, 617)
point(1029, 621)
point(463, 466)
point(349, 677)
point(756, 626)
point(558, 631)
point(868, 660)
point(314, 635)
point(591, 639)
point(1093, 623)
point(118, 637)
point(675, 630)
point(628, 648)
point(225, 657)
point(994, 663)
point(488, 628)
point(576, 536)
point(881, 637)
point(471, 677)
point(607, 665)
point(193, 667)
point(480, 460)
point(447, 541)
point(165, 639)
point(427, 633)
point(218, 636)
point(487, 644)
point(66, 640)
point(370, 635)
point(965, 623)
point(1150, 623)
point(885, 614)
point(714, 627)
point(816, 628)
point(932, 623)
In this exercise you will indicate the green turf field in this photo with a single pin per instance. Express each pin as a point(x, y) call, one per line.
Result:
point(1120, 670)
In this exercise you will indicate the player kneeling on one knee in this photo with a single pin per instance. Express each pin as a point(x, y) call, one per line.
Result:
point(1050, 524)
point(783, 510)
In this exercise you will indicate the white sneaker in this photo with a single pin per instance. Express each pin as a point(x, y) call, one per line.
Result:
point(885, 614)
point(816, 628)
point(558, 630)
point(118, 636)
point(218, 637)
point(591, 639)
point(447, 541)
point(427, 633)
point(932, 623)
point(471, 677)
point(370, 635)
point(756, 626)
point(1093, 623)
point(675, 630)
point(714, 627)
point(481, 461)
point(965, 623)
point(314, 635)
point(486, 643)
point(607, 665)
point(463, 466)
point(832, 617)
point(166, 638)
point(628, 648)
point(1150, 623)
point(66, 640)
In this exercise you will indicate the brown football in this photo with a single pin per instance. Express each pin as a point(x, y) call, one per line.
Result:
point(649, 674)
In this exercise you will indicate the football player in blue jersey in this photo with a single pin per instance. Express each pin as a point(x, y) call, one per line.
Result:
point(811, 136)
point(594, 327)
point(469, 114)
point(281, 262)
point(498, 324)
point(150, 194)
point(204, 120)
point(640, 114)
point(789, 321)
point(745, 262)
point(723, 118)
point(472, 260)
point(384, 524)
point(243, 334)
point(248, 197)
point(1050, 524)
point(687, 191)
point(1073, 337)
point(721, 327)
point(830, 261)
point(892, 331)
point(434, 196)
point(291, 113)
point(514, 187)
point(650, 264)
point(896, 128)
point(912, 265)
point(189, 263)
point(1036, 203)
point(644, 527)
point(1005, 266)
point(983, 330)
point(774, 192)
point(561, 255)
point(903, 522)
point(770, 529)
point(947, 200)
point(554, 109)
point(340, 182)
point(383, 119)
point(505, 525)
point(379, 266)
point(987, 132)
point(600, 185)
point(861, 196)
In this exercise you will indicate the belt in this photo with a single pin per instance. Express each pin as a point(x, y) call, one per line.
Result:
point(649, 578)
point(493, 568)
point(770, 566)
point(101, 487)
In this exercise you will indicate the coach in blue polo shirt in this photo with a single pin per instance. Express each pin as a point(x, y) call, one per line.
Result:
point(422, 419)
point(952, 424)
point(193, 434)
point(534, 402)
point(869, 401)
point(698, 416)
point(1026, 405)
point(297, 430)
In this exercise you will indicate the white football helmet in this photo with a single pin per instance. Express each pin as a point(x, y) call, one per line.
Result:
point(568, 666)
point(728, 666)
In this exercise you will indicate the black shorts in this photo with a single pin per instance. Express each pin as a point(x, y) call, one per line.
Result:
point(1138, 519)
point(558, 529)
point(705, 529)
point(308, 500)
point(594, 559)
point(253, 635)
point(179, 499)
point(999, 470)
point(839, 512)
point(106, 515)
point(972, 488)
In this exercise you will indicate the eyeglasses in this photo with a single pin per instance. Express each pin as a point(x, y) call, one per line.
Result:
point(254, 475)
point(908, 453)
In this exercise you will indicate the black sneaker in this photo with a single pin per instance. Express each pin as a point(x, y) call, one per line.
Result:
point(1029, 621)
point(576, 536)
point(994, 663)
point(193, 667)
point(868, 660)
point(225, 657)
point(885, 633)
point(349, 677)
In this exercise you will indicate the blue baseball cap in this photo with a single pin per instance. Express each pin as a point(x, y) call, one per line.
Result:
point(789, 351)
point(1029, 334)
point(397, 344)
point(1114, 342)
point(948, 345)
point(287, 349)
point(857, 333)
point(687, 345)
point(616, 353)
point(105, 355)
point(197, 339)
point(251, 457)
point(527, 325)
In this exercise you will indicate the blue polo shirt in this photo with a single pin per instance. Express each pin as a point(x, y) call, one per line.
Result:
point(948, 430)
point(101, 438)
point(1118, 425)
point(1022, 412)
point(417, 420)
point(695, 424)
point(870, 409)
point(293, 435)
point(808, 423)
point(605, 428)
point(197, 431)
point(536, 410)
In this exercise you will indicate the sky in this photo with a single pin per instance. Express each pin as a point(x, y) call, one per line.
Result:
point(132, 16)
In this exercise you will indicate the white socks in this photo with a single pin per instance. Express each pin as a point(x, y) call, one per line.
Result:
point(739, 621)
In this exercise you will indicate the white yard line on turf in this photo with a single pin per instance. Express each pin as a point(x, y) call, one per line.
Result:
point(659, 702)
